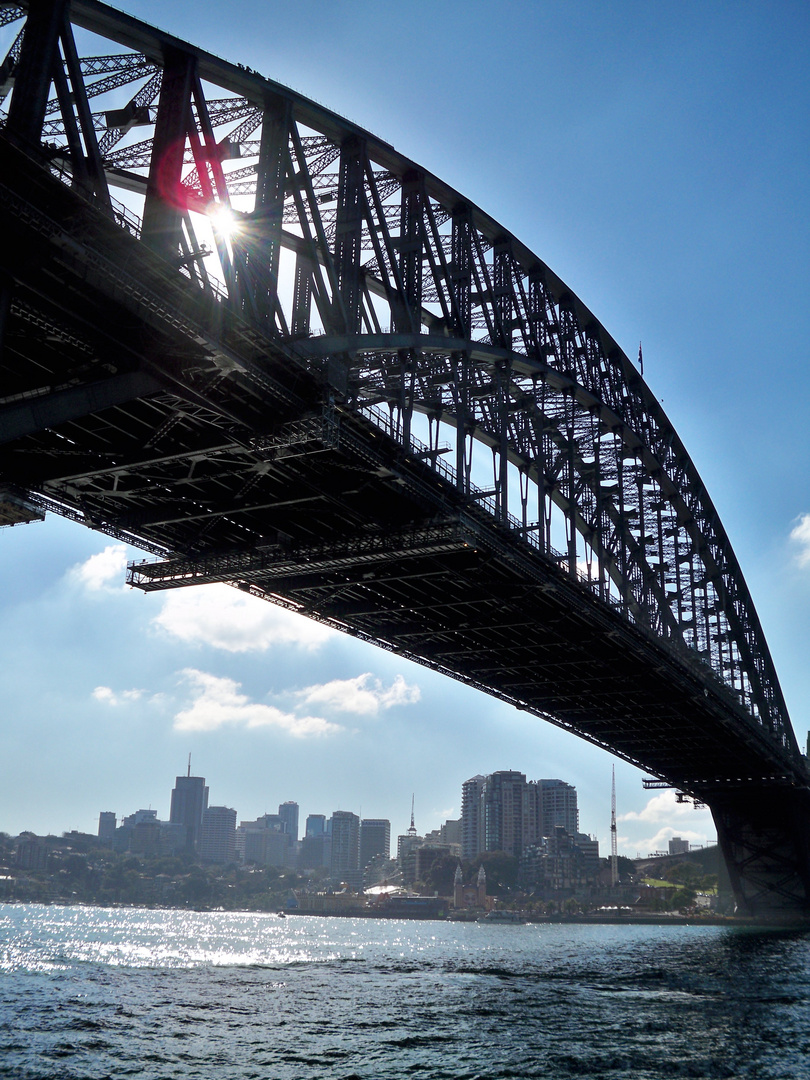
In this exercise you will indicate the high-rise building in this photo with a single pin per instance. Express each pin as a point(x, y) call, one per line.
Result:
point(472, 832)
point(106, 825)
point(316, 851)
point(375, 839)
point(265, 842)
point(559, 807)
point(503, 798)
point(217, 839)
point(189, 800)
point(345, 846)
point(288, 812)
point(316, 825)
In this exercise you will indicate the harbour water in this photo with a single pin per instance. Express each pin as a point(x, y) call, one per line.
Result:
point(88, 993)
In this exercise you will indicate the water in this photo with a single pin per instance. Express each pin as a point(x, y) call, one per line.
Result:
point(90, 993)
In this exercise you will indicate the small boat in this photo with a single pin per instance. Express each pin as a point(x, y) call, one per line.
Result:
point(500, 917)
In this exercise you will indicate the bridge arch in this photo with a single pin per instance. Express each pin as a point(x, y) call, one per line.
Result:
point(351, 298)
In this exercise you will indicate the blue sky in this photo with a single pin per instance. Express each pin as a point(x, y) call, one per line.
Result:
point(655, 155)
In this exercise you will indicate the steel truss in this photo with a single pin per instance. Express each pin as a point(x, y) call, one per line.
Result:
point(269, 250)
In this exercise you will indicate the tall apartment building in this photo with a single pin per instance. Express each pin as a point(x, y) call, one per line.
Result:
point(504, 812)
point(217, 839)
point(375, 839)
point(559, 807)
point(345, 846)
point(504, 806)
point(472, 831)
point(189, 800)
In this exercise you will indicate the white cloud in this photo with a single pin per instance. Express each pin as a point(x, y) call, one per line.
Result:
point(222, 617)
point(107, 696)
point(800, 534)
point(104, 570)
point(217, 702)
point(661, 807)
point(357, 696)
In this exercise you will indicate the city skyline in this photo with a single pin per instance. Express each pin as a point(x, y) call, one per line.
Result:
point(652, 156)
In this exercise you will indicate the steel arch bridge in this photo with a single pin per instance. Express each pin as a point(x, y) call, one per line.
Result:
point(244, 334)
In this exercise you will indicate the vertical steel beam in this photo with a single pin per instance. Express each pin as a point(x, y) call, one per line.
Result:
point(407, 312)
point(38, 59)
point(348, 232)
point(93, 169)
point(164, 204)
point(461, 271)
point(502, 291)
point(302, 297)
point(268, 211)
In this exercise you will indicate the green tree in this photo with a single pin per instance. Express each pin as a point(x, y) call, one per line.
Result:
point(440, 875)
point(501, 870)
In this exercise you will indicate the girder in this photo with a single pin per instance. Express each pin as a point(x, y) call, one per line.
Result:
point(297, 361)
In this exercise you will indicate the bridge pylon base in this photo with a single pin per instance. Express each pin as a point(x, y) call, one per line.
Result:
point(764, 835)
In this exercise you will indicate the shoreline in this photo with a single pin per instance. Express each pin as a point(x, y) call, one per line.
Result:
point(634, 919)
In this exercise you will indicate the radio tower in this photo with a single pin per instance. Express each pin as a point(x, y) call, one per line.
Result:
point(614, 857)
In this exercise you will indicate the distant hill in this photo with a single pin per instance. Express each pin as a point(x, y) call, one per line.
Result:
point(708, 859)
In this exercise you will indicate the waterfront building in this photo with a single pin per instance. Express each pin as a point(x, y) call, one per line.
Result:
point(189, 800)
point(472, 895)
point(217, 838)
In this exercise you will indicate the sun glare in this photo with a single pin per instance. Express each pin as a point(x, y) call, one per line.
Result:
point(223, 221)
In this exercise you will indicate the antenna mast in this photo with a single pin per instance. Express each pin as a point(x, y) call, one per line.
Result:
point(412, 830)
point(189, 766)
point(614, 857)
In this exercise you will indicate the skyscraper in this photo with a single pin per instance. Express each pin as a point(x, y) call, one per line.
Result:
point(288, 812)
point(316, 824)
point(189, 800)
point(375, 839)
point(106, 825)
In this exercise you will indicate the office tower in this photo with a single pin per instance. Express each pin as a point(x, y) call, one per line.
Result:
point(189, 800)
point(559, 807)
point(345, 846)
point(217, 838)
point(106, 825)
point(288, 812)
point(375, 839)
point(503, 799)
point(472, 833)
point(316, 825)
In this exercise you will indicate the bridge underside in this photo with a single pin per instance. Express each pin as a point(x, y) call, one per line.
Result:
point(143, 406)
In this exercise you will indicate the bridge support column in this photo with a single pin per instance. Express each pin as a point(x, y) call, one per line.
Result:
point(164, 206)
point(32, 84)
point(764, 837)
